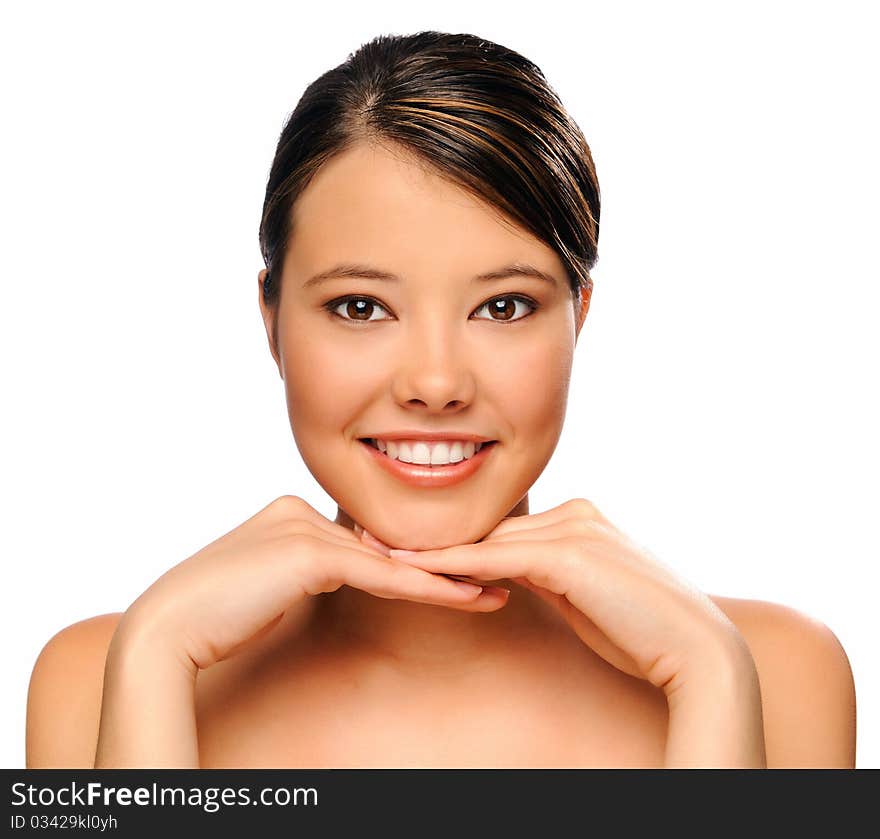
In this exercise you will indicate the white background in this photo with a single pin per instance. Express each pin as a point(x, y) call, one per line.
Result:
point(723, 405)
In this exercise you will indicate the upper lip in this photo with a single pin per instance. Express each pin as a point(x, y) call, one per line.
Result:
point(429, 435)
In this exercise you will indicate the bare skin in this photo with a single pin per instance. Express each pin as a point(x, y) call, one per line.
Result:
point(294, 641)
point(806, 684)
point(528, 701)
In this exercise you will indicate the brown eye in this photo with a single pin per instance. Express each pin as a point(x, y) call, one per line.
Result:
point(504, 308)
point(355, 308)
point(359, 309)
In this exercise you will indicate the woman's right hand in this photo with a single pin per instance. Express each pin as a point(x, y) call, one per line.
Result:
point(211, 605)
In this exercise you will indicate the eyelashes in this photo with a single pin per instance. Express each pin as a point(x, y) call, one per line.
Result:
point(369, 305)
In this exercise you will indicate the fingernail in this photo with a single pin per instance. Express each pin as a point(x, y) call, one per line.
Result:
point(470, 588)
point(495, 590)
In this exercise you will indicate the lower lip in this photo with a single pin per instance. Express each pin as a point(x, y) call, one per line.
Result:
point(422, 475)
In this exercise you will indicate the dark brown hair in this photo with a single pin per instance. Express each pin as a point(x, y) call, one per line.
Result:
point(479, 114)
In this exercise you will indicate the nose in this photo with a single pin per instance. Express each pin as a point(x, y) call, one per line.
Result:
point(435, 370)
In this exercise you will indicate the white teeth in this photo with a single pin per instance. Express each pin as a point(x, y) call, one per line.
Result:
point(420, 453)
point(456, 452)
point(440, 453)
point(426, 452)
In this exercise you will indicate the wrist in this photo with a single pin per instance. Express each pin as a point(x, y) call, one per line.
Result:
point(722, 665)
point(147, 706)
point(715, 713)
point(141, 642)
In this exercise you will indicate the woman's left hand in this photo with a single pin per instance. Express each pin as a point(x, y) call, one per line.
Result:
point(628, 607)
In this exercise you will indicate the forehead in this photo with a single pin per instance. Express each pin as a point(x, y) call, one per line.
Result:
point(377, 205)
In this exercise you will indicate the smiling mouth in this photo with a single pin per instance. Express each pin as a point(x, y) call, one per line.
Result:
point(409, 452)
point(428, 475)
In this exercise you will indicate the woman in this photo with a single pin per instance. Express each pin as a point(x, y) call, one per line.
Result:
point(430, 222)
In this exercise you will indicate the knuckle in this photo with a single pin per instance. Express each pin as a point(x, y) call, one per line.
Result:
point(304, 552)
point(584, 507)
point(287, 507)
point(288, 503)
point(544, 574)
point(318, 565)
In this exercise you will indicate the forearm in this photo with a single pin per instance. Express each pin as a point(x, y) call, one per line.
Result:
point(715, 717)
point(148, 708)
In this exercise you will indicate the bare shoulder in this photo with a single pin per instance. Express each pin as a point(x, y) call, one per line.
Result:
point(64, 695)
point(807, 687)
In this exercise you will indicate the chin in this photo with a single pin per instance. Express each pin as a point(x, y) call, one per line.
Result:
point(431, 536)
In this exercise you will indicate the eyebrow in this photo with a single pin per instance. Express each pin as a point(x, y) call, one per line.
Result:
point(367, 272)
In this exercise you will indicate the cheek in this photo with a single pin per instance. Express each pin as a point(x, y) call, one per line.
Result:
point(323, 386)
point(532, 385)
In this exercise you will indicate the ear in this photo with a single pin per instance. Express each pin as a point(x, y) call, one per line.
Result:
point(270, 321)
point(586, 294)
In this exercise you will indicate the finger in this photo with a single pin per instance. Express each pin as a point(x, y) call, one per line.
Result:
point(295, 511)
point(490, 561)
point(526, 584)
point(396, 580)
point(574, 507)
point(465, 579)
point(544, 594)
point(307, 527)
point(363, 545)
point(554, 530)
point(372, 553)
point(291, 508)
point(372, 541)
point(291, 515)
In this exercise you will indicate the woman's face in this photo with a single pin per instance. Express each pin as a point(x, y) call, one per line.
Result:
point(422, 351)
